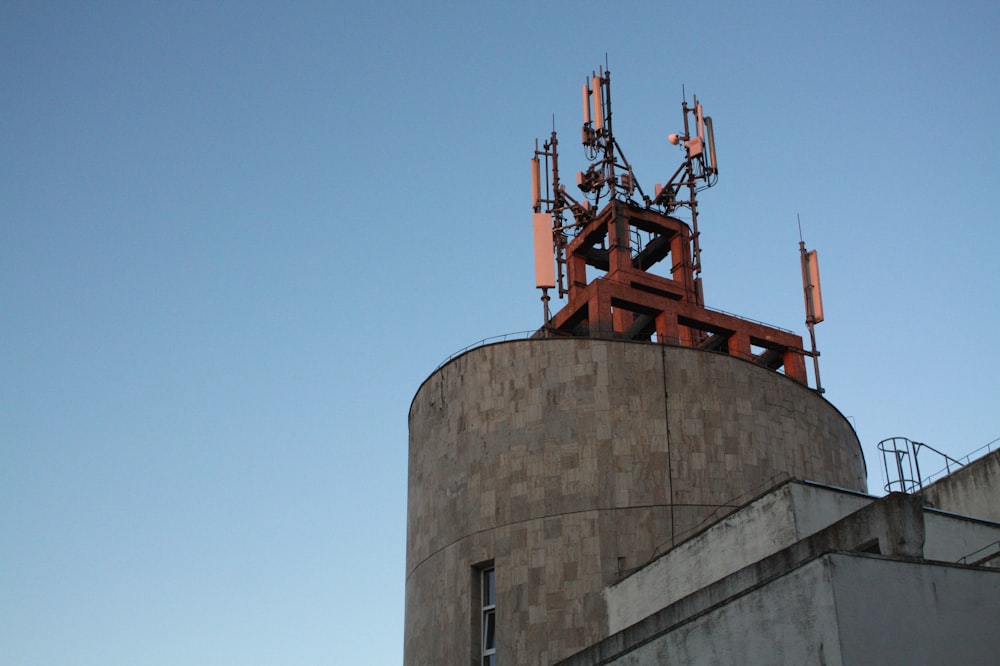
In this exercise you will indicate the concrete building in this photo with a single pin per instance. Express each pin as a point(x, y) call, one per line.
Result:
point(810, 574)
point(650, 481)
point(563, 464)
point(640, 504)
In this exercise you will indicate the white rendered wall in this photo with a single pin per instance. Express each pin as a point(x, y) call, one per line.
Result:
point(950, 538)
point(973, 490)
point(765, 526)
point(843, 609)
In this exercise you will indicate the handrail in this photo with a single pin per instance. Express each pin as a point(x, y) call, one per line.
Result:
point(965, 559)
point(519, 335)
point(967, 458)
point(904, 474)
point(524, 335)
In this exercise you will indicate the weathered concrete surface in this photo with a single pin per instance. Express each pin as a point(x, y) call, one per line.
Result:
point(792, 620)
point(765, 526)
point(973, 490)
point(568, 462)
point(916, 613)
point(803, 605)
point(951, 538)
point(837, 609)
point(772, 522)
point(778, 609)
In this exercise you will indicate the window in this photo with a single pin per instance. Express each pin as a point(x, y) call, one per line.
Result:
point(489, 617)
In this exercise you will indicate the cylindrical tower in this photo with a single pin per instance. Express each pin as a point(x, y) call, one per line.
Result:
point(550, 468)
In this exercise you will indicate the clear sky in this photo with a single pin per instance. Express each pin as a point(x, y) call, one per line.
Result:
point(235, 237)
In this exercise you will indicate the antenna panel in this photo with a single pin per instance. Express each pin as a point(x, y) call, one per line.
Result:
point(586, 104)
point(545, 273)
point(711, 144)
point(814, 296)
point(536, 183)
point(598, 105)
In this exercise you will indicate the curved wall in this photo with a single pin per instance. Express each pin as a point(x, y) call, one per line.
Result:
point(570, 462)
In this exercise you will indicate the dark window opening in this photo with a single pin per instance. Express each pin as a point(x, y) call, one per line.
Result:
point(489, 617)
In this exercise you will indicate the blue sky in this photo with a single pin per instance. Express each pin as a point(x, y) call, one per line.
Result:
point(235, 237)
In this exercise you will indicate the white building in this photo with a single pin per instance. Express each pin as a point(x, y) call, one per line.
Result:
point(810, 574)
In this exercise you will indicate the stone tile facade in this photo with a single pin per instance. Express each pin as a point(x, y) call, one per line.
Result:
point(567, 463)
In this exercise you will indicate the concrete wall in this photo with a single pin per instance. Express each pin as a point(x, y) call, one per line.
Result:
point(842, 609)
point(792, 620)
point(950, 538)
point(569, 462)
point(817, 507)
point(974, 490)
point(896, 608)
point(893, 612)
point(771, 523)
point(763, 527)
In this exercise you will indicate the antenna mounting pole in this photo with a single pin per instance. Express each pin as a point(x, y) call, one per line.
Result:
point(813, 299)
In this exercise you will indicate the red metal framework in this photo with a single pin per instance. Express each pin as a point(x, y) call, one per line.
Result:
point(605, 260)
point(630, 302)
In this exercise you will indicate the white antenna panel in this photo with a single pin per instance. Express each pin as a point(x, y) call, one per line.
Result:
point(814, 296)
point(545, 273)
point(598, 105)
point(586, 104)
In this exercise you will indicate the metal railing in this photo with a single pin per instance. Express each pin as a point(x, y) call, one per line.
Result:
point(903, 473)
point(524, 335)
point(987, 553)
point(519, 335)
point(901, 463)
point(988, 447)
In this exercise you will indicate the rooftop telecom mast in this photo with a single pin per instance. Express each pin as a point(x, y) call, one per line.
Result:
point(698, 172)
point(610, 177)
point(610, 226)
